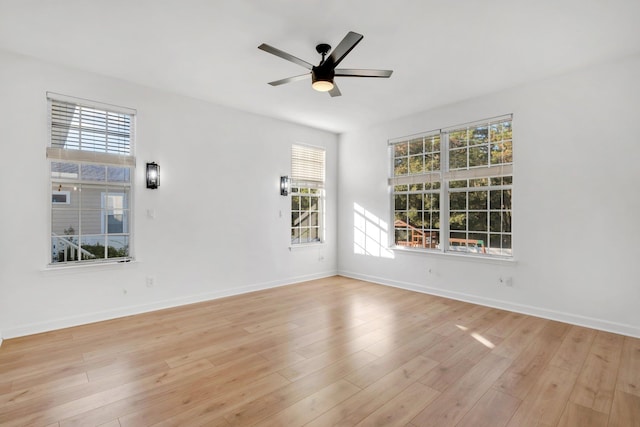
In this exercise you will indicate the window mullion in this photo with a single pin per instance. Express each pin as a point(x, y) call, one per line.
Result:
point(80, 211)
point(444, 193)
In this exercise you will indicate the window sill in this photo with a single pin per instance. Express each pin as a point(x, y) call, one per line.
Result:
point(95, 266)
point(306, 245)
point(453, 255)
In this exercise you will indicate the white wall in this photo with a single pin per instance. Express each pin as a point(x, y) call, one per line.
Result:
point(217, 229)
point(576, 202)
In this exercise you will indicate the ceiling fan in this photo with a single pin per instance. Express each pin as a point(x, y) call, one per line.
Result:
point(322, 75)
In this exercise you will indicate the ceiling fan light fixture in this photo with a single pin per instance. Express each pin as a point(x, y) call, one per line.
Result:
point(322, 79)
point(322, 85)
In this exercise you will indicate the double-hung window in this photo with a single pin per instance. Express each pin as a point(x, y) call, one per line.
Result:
point(452, 189)
point(91, 167)
point(307, 194)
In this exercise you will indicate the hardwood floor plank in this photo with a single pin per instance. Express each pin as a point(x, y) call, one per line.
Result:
point(5, 387)
point(126, 345)
point(208, 382)
point(134, 368)
point(547, 399)
point(311, 406)
point(401, 409)
point(42, 389)
point(16, 371)
point(455, 367)
point(469, 329)
point(367, 401)
point(574, 349)
point(506, 326)
point(463, 320)
point(629, 372)
point(452, 405)
point(408, 329)
point(625, 411)
point(259, 409)
point(520, 337)
point(308, 366)
point(527, 367)
point(213, 409)
point(25, 345)
point(307, 335)
point(203, 405)
point(450, 345)
point(366, 334)
point(382, 366)
point(78, 400)
point(596, 382)
point(576, 415)
point(494, 409)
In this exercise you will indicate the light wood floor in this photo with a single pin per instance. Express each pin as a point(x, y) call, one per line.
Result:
point(329, 352)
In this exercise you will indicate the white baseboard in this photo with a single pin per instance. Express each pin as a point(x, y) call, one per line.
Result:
point(66, 322)
point(574, 319)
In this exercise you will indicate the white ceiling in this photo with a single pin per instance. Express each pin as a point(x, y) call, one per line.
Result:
point(441, 51)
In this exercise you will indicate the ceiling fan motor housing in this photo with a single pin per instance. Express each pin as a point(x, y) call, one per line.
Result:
point(320, 73)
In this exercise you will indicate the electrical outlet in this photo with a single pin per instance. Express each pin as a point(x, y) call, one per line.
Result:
point(505, 281)
point(150, 282)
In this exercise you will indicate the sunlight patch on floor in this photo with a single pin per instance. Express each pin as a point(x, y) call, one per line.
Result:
point(482, 340)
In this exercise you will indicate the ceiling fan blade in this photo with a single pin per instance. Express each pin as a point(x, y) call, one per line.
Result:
point(285, 55)
point(346, 45)
point(335, 91)
point(354, 72)
point(290, 79)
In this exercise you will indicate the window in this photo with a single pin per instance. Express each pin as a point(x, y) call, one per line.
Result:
point(452, 189)
point(91, 169)
point(307, 194)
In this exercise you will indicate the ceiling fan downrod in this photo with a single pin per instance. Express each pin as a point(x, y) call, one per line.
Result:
point(323, 49)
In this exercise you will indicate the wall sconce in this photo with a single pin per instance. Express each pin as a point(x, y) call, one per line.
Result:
point(284, 185)
point(153, 175)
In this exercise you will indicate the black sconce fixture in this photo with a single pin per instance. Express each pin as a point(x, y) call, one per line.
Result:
point(284, 185)
point(153, 175)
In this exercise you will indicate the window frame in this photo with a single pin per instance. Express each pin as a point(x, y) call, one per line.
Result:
point(79, 160)
point(310, 177)
point(442, 179)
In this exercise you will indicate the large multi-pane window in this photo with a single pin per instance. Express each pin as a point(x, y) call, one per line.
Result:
point(307, 194)
point(452, 189)
point(91, 170)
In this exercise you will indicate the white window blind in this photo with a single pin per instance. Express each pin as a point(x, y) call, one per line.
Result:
point(307, 165)
point(86, 131)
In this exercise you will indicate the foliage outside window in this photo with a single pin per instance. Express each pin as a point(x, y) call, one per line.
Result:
point(452, 189)
point(307, 194)
point(91, 169)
